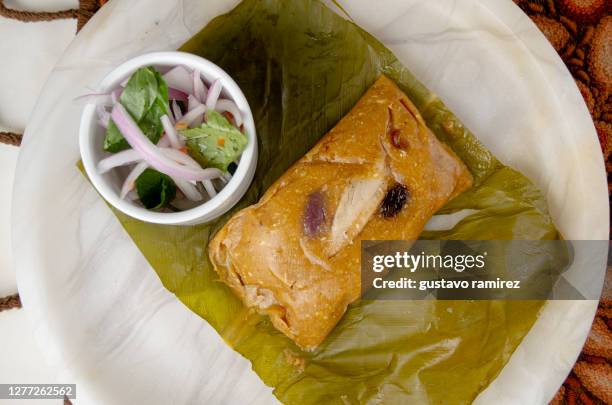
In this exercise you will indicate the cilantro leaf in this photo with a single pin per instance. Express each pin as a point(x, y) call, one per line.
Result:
point(155, 190)
point(145, 97)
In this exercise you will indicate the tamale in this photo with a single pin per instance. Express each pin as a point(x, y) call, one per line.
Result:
point(379, 174)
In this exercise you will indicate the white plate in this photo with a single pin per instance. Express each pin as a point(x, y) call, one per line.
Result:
point(101, 314)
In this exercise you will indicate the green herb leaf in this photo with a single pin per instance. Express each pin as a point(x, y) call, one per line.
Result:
point(217, 143)
point(155, 189)
point(145, 97)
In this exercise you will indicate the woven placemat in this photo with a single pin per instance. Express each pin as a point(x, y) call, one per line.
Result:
point(83, 13)
point(87, 8)
point(581, 32)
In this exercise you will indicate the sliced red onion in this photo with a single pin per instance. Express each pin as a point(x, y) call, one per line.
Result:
point(192, 102)
point(118, 159)
point(179, 78)
point(171, 118)
point(115, 94)
point(191, 105)
point(226, 176)
point(190, 191)
point(173, 136)
point(151, 153)
point(199, 90)
point(213, 94)
point(195, 115)
point(164, 142)
point(103, 115)
point(176, 111)
point(176, 94)
point(210, 189)
point(224, 105)
point(183, 158)
point(130, 180)
point(130, 156)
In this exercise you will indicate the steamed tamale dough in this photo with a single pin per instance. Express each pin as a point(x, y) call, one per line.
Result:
point(379, 174)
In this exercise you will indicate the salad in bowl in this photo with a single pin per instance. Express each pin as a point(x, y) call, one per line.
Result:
point(169, 138)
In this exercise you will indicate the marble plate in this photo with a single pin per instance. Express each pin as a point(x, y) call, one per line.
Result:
point(102, 316)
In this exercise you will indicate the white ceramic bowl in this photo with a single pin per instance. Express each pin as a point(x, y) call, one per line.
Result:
point(91, 136)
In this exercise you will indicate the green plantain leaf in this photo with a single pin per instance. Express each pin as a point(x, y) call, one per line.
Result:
point(302, 68)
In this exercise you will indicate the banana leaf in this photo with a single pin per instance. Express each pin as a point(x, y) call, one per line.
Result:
point(302, 67)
